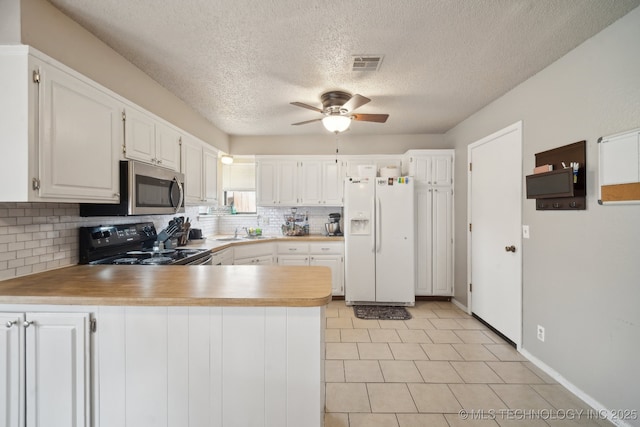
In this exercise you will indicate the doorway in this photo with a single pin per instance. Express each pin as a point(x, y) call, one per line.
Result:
point(494, 233)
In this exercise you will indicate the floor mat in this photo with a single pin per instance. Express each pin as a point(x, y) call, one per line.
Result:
point(381, 312)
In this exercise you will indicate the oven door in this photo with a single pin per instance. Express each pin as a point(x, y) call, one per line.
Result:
point(154, 190)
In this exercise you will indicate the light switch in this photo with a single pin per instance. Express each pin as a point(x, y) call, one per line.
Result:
point(525, 231)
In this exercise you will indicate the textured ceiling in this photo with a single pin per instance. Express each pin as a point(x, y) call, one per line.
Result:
point(240, 62)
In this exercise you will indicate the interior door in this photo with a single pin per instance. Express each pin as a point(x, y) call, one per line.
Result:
point(495, 215)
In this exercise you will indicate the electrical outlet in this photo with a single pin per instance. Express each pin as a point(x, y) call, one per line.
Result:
point(525, 231)
point(540, 333)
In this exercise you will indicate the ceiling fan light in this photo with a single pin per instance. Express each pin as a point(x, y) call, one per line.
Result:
point(336, 124)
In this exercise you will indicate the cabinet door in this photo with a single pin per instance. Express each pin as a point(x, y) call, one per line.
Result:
point(210, 179)
point(139, 136)
point(336, 264)
point(80, 135)
point(442, 257)
point(11, 370)
point(167, 147)
point(332, 183)
point(293, 260)
point(420, 169)
point(311, 182)
point(58, 369)
point(288, 183)
point(424, 284)
point(441, 170)
point(192, 170)
point(264, 260)
point(266, 183)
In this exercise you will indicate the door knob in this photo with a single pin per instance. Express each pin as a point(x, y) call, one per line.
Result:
point(510, 248)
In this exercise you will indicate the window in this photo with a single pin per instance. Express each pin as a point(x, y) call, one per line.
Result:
point(239, 185)
point(243, 201)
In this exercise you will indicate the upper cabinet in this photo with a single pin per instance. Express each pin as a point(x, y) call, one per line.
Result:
point(61, 134)
point(321, 182)
point(431, 167)
point(200, 168)
point(150, 140)
point(314, 181)
point(277, 182)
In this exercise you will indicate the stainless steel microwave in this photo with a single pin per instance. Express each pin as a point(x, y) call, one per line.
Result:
point(144, 190)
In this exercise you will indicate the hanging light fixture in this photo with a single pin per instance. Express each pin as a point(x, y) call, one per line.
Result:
point(336, 123)
point(226, 159)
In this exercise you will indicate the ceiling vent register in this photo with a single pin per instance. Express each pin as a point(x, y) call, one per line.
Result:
point(366, 62)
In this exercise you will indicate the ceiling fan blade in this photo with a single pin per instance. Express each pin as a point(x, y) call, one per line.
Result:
point(309, 107)
point(305, 122)
point(378, 118)
point(356, 101)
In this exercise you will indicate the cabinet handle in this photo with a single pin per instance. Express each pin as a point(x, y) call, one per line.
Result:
point(116, 195)
point(293, 249)
point(159, 161)
point(10, 323)
point(28, 323)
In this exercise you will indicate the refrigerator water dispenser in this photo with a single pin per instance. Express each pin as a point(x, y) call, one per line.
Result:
point(360, 224)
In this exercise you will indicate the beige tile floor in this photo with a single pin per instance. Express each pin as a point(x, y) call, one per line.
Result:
point(425, 371)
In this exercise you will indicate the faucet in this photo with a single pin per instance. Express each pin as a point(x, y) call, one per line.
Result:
point(235, 234)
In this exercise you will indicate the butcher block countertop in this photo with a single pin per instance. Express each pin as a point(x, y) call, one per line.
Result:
point(167, 285)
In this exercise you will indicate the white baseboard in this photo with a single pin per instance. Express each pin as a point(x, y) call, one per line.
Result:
point(459, 305)
point(597, 406)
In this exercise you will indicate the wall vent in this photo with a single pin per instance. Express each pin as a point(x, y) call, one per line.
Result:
point(366, 62)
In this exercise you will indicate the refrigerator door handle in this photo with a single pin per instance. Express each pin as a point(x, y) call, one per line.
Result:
point(378, 225)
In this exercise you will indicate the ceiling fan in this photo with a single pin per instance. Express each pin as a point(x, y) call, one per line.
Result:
point(338, 108)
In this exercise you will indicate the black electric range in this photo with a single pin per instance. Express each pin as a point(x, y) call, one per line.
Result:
point(132, 244)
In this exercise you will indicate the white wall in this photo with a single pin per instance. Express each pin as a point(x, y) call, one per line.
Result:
point(50, 31)
point(581, 269)
point(326, 144)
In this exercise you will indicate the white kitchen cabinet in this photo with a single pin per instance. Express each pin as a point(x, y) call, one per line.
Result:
point(200, 169)
point(61, 133)
point(223, 257)
point(253, 254)
point(433, 172)
point(45, 360)
point(277, 182)
point(432, 169)
point(210, 366)
point(12, 374)
point(326, 254)
point(150, 140)
point(321, 182)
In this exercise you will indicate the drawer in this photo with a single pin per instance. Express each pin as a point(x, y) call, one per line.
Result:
point(326, 248)
point(293, 248)
point(252, 250)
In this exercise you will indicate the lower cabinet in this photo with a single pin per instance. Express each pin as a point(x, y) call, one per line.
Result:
point(211, 366)
point(223, 257)
point(329, 254)
point(45, 369)
point(253, 254)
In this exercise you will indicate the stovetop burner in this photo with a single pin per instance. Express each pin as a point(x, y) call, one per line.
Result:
point(157, 260)
point(131, 244)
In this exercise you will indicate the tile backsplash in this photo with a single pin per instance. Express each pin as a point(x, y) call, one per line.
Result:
point(36, 237)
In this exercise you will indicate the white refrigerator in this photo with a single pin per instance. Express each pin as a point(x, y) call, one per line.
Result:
point(379, 221)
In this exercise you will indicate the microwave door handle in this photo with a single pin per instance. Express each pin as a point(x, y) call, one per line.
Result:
point(177, 181)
